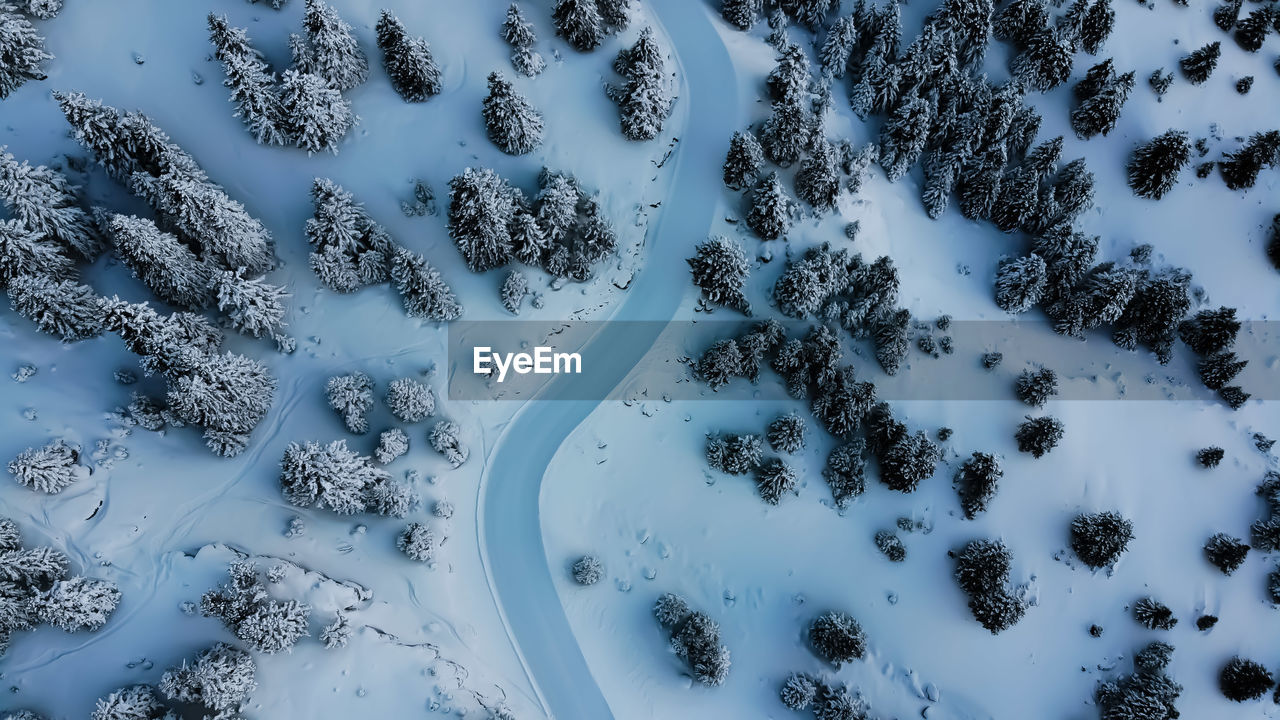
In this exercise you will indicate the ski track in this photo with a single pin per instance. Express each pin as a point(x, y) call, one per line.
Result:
point(508, 518)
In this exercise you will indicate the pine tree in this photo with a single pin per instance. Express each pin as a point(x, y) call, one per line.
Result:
point(903, 137)
point(734, 454)
point(741, 14)
point(352, 397)
point(254, 307)
point(424, 292)
point(1199, 65)
point(518, 32)
point(43, 9)
point(58, 307)
point(774, 479)
point(844, 472)
point(444, 440)
point(1252, 31)
point(24, 252)
point(837, 49)
point(77, 604)
point(744, 161)
point(417, 542)
point(891, 340)
point(21, 51)
point(837, 638)
point(252, 84)
point(645, 102)
point(1045, 62)
point(1225, 15)
point(514, 290)
point(1098, 22)
point(1154, 167)
point(1218, 369)
point(1225, 552)
point(1098, 113)
point(1241, 680)
point(49, 469)
point(480, 209)
point(808, 12)
point(614, 16)
point(42, 200)
point(1099, 539)
point(138, 702)
point(1036, 387)
point(409, 400)
point(245, 607)
point(514, 125)
point(163, 263)
point(818, 182)
point(785, 134)
point(840, 402)
point(334, 50)
point(1039, 435)
point(528, 243)
point(1240, 169)
point(720, 270)
point(976, 482)
point(579, 23)
point(329, 476)
point(227, 395)
point(407, 60)
point(348, 249)
point(790, 76)
point(221, 679)
point(770, 214)
point(317, 117)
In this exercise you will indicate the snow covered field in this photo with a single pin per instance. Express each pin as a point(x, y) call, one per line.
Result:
point(495, 625)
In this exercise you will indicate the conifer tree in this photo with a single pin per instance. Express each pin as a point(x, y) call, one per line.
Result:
point(645, 102)
point(614, 16)
point(445, 440)
point(513, 291)
point(22, 53)
point(513, 123)
point(336, 55)
point(317, 117)
point(166, 266)
point(837, 50)
point(23, 252)
point(252, 84)
point(1252, 31)
point(1154, 167)
point(1020, 283)
point(1199, 65)
point(248, 610)
point(43, 9)
point(774, 479)
point(785, 134)
point(1210, 331)
point(818, 182)
point(1098, 22)
point(423, 290)
point(221, 680)
point(254, 307)
point(480, 209)
point(579, 23)
point(1045, 62)
point(49, 469)
point(63, 308)
point(42, 200)
point(1039, 435)
point(1098, 113)
point(226, 394)
point(407, 60)
point(518, 32)
point(1226, 14)
point(808, 12)
point(1019, 20)
point(1240, 169)
point(77, 604)
point(720, 270)
point(770, 214)
point(329, 476)
point(903, 137)
point(976, 482)
point(743, 163)
point(741, 14)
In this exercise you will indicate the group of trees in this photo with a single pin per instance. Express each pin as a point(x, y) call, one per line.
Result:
point(218, 684)
point(1100, 96)
point(1148, 693)
point(584, 23)
point(350, 251)
point(827, 700)
point(644, 99)
point(335, 478)
point(36, 588)
point(518, 32)
point(564, 230)
point(742, 454)
point(695, 638)
point(982, 569)
point(305, 106)
point(21, 47)
point(249, 611)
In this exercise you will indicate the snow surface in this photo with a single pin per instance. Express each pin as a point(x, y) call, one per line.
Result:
point(498, 619)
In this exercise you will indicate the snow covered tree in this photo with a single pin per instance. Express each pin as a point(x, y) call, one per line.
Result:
point(21, 49)
point(352, 397)
point(25, 252)
point(720, 270)
point(254, 307)
point(513, 291)
point(1252, 31)
point(785, 134)
point(1039, 435)
point(137, 702)
point(771, 208)
point(774, 478)
point(444, 440)
point(1153, 614)
point(1210, 331)
point(252, 84)
point(336, 55)
point(1225, 552)
point(579, 23)
point(244, 606)
point(417, 542)
point(336, 634)
point(1098, 112)
point(162, 262)
point(77, 604)
point(408, 61)
point(316, 116)
point(226, 394)
point(1096, 26)
point(514, 125)
point(1147, 693)
point(837, 638)
point(837, 50)
point(1199, 65)
point(840, 402)
point(976, 482)
point(734, 454)
point(43, 9)
point(891, 340)
point(410, 401)
point(391, 444)
point(44, 202)
point(1020, 283)
point(1220, 368)
point(63, 308)
point(1242, 679)
point(786, 433)
point(1036, 387)
point(808, 12)
point(818, 182)
point(890, 545)
point(614, 16)
point(645, 101)
point(1210, 457)
point(424, 292)
point(48, 469)
point(1240, 169)
point(744, 161)
point(220, 680)
point(1099, 539)
point(844, 472)
point(168, 345)
point(518, 32)
point(982, 570)
point(329, 476)
point(798, 692)
point(1045, 61)
point(588, 570)
point(695, 638)
point(1154, 167)
point(790, 77)
point(348, 249)
point(904, 135)
point(481, 206)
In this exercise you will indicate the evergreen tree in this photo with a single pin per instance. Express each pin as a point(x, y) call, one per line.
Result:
point(77, 604)
point(417, 542)
point(1225, 552)
point(513, 123)
point(1210, 331)
point(529, 244)
point(614, 15)
point(645, 102)
point(1240, 169)
point(220, 680)
point(1225, 15)
point(1099, 539)
point(695, 638)
point(1220, 368)
point(43, 9)
point(1096, 26)
point(49, 469)
point(328, 477)
point(844, 472)
point(1273, 246)
point(1154, 167)
point(63, 308)
point(227, 395)
point(982, 570)
point(837, 638)
point(1019, 20)
point(336, 55)
point(720, 270)
point(254, 307)
point(837, 49)
point(518, 32)
point(785, 134)
point(1210, 457)
point(1152, 317)
point(790, 76)
point(1147, 693)
point(407, 60)
point(976, 482)
point(741, 14)
point(444, 440)
point(244, 606)
point(410, 401)
point(840, 402)
point(43, 201)
point(514, 290)
point(1241, 680)
point(1199, 65)
point(138, 702)
point(1045, 62)
point(391, 444)
point(352, 397)
point(774, 479)
point(317, 117)
point(348, 249)
point(743, 163)
point(480, 208)
point(166, 266)
point(24, 252)
point(22, 53)
point(1039, 435)
point(980, 184)
point(770, 214)
point(734, 454)
point(1252, 31)
point(1036, 387)
point(786, 433)
point(1020, 283)
point(891, 340)
point(818, 182)
point(1098, 113)
point(302, 57)
point(425, 294)
point(903, 137)
point(798, 692)
point(252, 84)
point(579, 23)
point(808, 12)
